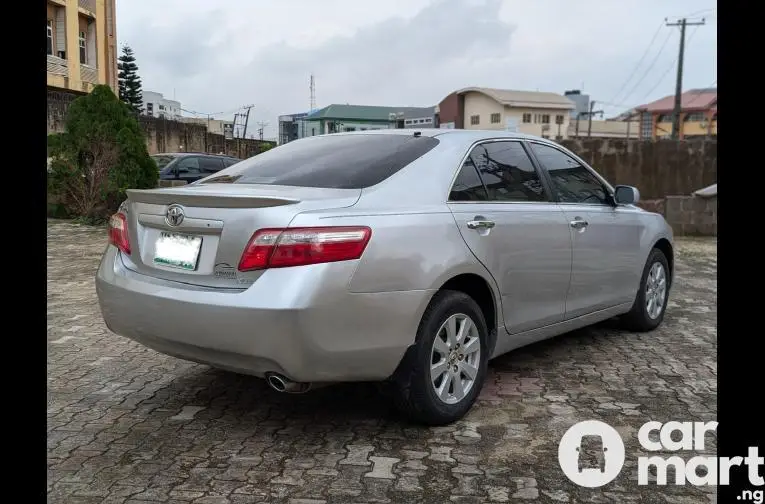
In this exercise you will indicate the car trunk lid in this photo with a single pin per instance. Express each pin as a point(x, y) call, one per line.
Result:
point(196, 234)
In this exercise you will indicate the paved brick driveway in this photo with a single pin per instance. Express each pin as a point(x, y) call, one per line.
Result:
point(126, 424)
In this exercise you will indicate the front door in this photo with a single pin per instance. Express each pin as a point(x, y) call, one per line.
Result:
point(606, 238)
point(188, 169)
point(506, 217)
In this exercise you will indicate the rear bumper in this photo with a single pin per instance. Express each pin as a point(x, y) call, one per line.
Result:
point(300, 322)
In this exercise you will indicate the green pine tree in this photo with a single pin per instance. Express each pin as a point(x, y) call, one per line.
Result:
point(129, 81)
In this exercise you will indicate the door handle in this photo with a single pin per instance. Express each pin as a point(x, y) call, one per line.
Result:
point(480, 224)
point(579, 223)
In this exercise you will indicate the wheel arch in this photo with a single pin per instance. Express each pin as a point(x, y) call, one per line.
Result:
point(482, 292)
point(666, 248)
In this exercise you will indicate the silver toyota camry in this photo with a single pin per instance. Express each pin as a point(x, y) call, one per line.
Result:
point(400, 256)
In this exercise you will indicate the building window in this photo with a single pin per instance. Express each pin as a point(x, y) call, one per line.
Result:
point(150, 108)
point(527, 118)
point(545, 118)
point(665, 118)
point(714, 117)
point(558, 119)
point(695, 117)
point(646, 125)
point(495, 118)
point(475, 120)
point(83, 52)
point(49, 34)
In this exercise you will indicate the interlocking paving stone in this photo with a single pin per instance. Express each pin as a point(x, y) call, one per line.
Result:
point(126, 424)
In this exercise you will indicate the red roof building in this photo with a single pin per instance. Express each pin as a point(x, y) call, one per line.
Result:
point(698, 116)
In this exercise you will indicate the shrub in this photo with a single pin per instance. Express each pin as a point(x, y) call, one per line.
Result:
point(101, 154)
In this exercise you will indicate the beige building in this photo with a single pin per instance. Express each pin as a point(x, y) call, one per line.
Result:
point(215, 126)
point(81, 45)
point(531, 112)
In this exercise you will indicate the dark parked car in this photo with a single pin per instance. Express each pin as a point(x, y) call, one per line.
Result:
point(190, 166)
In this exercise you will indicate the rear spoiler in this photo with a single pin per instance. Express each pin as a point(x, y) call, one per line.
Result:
point(204, 199)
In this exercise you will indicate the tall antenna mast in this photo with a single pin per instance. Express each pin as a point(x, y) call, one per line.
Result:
point(313, 94)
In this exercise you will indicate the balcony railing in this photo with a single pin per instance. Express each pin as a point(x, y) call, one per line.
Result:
point(89, 74)
point(89, 5)
point(57, 66)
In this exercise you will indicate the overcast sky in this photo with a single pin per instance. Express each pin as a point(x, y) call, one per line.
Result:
point(216, 56)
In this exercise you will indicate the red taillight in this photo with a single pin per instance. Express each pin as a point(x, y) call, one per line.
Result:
point(118, 232)
point(280, 248)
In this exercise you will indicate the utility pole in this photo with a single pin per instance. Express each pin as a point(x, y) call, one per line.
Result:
point(246, 120)
point(589, 119)
point(683, 23)
point(262, 125)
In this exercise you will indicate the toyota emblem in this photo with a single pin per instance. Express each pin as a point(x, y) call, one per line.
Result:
point(174, 215)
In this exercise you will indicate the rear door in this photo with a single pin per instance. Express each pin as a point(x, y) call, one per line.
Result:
point(606, 238)
point(506, 217)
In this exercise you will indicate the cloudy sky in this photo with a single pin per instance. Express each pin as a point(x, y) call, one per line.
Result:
point(216, 56)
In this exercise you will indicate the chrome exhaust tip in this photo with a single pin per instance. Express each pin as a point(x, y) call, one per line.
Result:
point(283, 384)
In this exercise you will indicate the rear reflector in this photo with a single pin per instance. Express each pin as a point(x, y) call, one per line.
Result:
point(281, 248)
point(118, 232)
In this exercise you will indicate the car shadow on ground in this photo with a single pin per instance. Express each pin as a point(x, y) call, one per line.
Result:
point(224, 394)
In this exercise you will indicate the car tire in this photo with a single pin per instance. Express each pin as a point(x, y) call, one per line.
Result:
point(638, 319)
point(414, 391)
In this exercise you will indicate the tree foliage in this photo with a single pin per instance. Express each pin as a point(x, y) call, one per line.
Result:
point(129, 82)
point(101, 154)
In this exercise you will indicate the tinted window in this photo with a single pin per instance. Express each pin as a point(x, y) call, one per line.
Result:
point(162, 160)
point(468, 186)
point(572, 182)
point(210, 164)
point(189, 165)
point(507, 172)
point(229, 161)
point(341, 161)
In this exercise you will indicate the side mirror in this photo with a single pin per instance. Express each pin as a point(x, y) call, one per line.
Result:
point(626, 195)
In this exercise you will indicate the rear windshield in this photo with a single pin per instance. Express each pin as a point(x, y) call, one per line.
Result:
point(329, 161)
point(162, 160)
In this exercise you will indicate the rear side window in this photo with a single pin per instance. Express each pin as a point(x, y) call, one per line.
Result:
point(468, 185)
point(498, 171)
point(338, 162)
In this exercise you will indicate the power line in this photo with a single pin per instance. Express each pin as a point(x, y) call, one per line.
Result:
point(647, 70)
point(640, 61)
point(661, 79)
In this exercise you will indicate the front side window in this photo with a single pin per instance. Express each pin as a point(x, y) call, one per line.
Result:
point(506, 172)
point(571, 181)
point(83, 52)
point(210, 165)
point(189, 166)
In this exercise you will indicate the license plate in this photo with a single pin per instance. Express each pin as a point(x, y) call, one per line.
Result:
point(177, 251)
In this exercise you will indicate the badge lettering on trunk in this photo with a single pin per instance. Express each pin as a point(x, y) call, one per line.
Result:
point(223, 270)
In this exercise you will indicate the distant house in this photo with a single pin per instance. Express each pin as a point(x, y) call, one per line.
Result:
point(698, 115)
point(336, 118)
point(532, 112)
